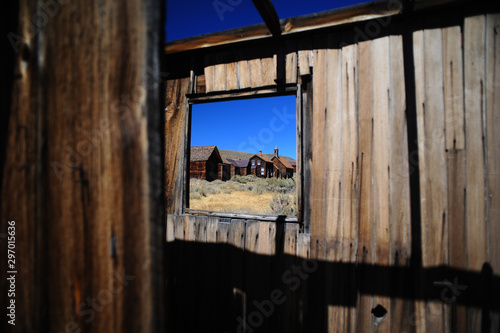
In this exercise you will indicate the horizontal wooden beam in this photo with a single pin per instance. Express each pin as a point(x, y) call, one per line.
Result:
point(267, 218)
point(269, 15)
point(241, 94)
point(290, 26)
point(326, 19)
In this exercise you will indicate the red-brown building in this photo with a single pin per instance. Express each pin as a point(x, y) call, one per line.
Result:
point(204, 163)
point(238, 167)
point(282, 168)
point(260, 166)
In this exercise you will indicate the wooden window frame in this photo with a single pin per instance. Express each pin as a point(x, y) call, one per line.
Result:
point(291, 90)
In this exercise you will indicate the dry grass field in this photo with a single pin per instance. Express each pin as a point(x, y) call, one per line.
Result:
point(244, 194)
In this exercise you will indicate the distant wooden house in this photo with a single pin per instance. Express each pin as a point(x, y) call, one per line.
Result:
point(282, 168)
point(238, 167)
point(294, 166)
point(204, 163)
point(224, 169)
point(260, 166)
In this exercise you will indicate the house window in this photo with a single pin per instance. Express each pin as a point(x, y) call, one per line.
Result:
point(222, 138)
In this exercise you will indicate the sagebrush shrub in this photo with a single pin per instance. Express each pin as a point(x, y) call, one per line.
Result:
point(283, 204)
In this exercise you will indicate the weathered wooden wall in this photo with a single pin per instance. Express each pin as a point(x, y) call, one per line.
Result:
point(81, 169)
point(400, 177)
point(198, 170)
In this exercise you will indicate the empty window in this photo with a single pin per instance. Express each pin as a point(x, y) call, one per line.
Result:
point(226, 138)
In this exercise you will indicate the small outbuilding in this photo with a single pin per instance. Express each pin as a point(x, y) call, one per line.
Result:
point(205, 163)
point(238, 167)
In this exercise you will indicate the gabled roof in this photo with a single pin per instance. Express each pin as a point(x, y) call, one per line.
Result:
point(262, 157)
point(284, 162)
point(225, 160)
point(238, 163)
point(202, 153)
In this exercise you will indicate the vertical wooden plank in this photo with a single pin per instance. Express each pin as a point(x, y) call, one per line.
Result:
point(256, 74)
point(179, 270)
point(243, 74)
point(418, 55)
point(232, 75)
point(381, 167)
point(175, 124)
point(317, 194)
point(291, 61)
point(453, 88)
point(455, 155)
point(209, 73)
point(300, 155)
point(200, 84)
point(20, 188)
point(335, 72)
point(269, 71)
point(399, 185)
point(220, 75)
point(237, 236)
point(348, 195)
point(474, 59)
point(304, 51)
point(254, 279)
point(366, 217)
point(289, 312)
point(493, 139)
point(170, 237)
point(475, 76)
point(224, 300)
point(302, 293)
point(435, 250)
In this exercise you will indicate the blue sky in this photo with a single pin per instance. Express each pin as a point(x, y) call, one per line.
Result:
point(247, 125)
point(187, 18)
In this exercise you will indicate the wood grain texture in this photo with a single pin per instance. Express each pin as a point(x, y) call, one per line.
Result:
point(291, 61)
point(317, 194)
point(399, 184)
point(232, 75)
point(366, 244)
point(381, 161)
point(493, 139)
point(455, 155)
point(418, 55)
point(256, 73)
point(333, 180)
point(453, 88)
point(269, 71)
point(220, 74)
point(87, 146)
point(175, 125)
point(349, 183)
point(304, 50)
point(475, 81)
point(20, 200)
point(209, 73)
point(434, 253)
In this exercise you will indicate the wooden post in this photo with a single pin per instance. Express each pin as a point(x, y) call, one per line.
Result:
point(83, 165)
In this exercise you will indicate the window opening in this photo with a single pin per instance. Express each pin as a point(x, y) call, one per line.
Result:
point(235, 148)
